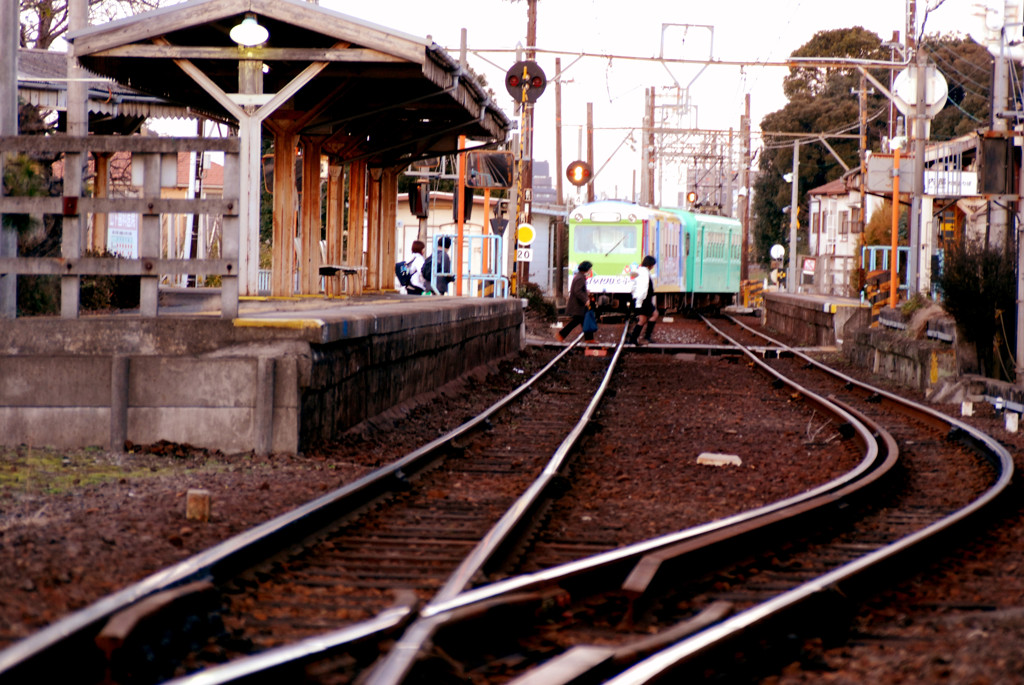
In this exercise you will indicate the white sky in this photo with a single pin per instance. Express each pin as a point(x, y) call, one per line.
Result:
point(729, 30)
point(749, 31)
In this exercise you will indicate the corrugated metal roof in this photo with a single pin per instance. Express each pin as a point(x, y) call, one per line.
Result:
point(42, 82)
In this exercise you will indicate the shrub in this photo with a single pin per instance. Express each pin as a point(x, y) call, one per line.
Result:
point(978, 284)
point(536, 302)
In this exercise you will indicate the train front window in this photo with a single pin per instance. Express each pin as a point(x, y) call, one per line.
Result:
point(605, 239)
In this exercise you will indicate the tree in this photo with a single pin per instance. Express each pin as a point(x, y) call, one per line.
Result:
point(44, 21)
point(825, 100)
point(821, 100)
point(967, 68)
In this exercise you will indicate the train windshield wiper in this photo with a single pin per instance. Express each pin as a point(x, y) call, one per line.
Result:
point(615, 245)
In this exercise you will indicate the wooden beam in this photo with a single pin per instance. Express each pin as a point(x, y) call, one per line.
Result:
point(10, 204)
point(184, 16)
point(107, 266)
point(145, 25)
point(332, 54)
point(140, 144)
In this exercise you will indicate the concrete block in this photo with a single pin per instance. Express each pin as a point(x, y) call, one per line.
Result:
point(714, 459)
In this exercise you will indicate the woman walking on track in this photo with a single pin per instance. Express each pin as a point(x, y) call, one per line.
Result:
point(578, 304)
point(643, 302)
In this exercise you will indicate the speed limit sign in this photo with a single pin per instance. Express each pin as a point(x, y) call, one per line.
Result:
point(524, 254)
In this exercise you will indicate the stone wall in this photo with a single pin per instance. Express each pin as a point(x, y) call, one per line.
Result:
point(283, 378)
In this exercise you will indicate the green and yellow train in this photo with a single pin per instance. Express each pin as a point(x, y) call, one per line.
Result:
point(698, 254)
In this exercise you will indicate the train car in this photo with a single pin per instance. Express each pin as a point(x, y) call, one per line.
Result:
point(698, 255)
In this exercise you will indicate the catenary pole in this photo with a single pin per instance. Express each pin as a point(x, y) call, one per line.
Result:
point(793, 219)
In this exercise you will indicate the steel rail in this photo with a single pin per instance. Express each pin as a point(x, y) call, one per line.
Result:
point(247, 548)
point(400, 659)
point(454, 600)
point(668, 660)
point(448, 604)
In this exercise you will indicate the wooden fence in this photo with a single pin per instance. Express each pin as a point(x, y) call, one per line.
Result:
point(153, 154)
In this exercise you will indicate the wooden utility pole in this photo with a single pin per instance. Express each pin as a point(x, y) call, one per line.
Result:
point(863, 148)
point(649, 169)
point(744, 198)
point(558, 130)
point(560, 226)
point(590, 149)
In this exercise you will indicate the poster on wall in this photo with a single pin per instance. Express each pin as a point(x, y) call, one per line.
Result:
point(123, 235)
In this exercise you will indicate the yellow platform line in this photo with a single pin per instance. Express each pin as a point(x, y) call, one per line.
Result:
point(295, 324)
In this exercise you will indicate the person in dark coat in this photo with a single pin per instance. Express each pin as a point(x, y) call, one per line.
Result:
point(578, 303)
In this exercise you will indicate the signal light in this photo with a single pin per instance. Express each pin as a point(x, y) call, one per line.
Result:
point(579, 173)
point(691, 197)
point(525, 81)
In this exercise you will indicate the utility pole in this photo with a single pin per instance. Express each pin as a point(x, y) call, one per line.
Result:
point(744, 201)
point(559, 228)
point(590, 148)
point(558, 130)
point(920, 110)
point(531, 55)
point(863, 149)
point(793, 196)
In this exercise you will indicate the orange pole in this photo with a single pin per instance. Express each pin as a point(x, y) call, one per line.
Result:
point(893, 272)
point(485, 262)
point(461, 198)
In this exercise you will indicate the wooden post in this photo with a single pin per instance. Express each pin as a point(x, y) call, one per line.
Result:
point(285, 198)
point(8, 127)
point(197, 505)
point(309, 260)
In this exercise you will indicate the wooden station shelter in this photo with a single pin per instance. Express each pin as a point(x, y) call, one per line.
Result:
point(323, 84)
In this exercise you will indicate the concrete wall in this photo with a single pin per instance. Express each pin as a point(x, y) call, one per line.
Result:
point(812, 320)
point(272, 382)
point(918, 364)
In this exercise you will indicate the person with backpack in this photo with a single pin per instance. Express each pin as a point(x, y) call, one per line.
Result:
point(579, 304)
point(414, 282)
point(445, 267)
point(644, 303)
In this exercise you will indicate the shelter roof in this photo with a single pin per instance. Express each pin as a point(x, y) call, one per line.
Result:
point(42, 82)
point(380, 95)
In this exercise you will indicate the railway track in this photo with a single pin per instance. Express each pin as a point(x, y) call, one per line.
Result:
point(469, 610)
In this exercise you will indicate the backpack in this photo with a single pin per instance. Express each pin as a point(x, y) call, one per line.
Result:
point(403, 274)
point(426, 269)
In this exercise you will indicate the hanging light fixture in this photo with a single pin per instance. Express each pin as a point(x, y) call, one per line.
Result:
point(249, 33)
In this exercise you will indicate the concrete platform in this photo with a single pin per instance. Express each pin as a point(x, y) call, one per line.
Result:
point(283, 375)
point(814, 320)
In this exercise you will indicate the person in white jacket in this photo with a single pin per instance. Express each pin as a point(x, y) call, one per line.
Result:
point(643, 302)
point(417, 282)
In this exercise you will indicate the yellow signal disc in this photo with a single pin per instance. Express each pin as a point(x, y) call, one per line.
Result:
point(525, 234)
